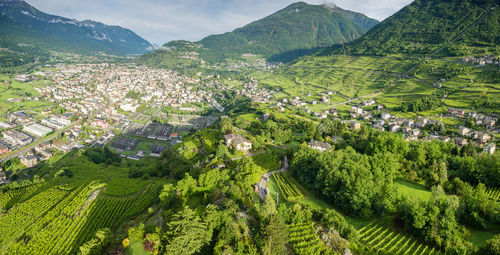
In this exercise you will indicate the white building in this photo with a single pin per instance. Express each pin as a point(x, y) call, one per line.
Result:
point(37, 129)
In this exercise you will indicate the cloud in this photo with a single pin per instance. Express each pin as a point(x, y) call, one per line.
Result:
point(160, 21)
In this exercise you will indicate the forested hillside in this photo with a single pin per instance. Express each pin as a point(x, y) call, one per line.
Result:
point(426, 25)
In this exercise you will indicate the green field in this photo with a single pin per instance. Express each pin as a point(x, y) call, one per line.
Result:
point(412, 190)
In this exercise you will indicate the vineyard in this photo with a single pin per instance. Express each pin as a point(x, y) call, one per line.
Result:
point(305, 241)
point(11, 197)
point(493, 193)
point(109, 211)
point(378, 239)
point(59, 219)
point(289, 191)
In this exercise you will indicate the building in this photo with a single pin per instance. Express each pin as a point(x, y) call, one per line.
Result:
point(14, 138)
point(456, 112)
point(98, 122)
point(385, 116)
point(37, 130)
point(490, 148)
point(29, 161)
point(321, 146)
point(422, 122)
point(355, 125)
point(19, 117)
point(460, 141)
point(129, 107)
point(39, 148)
point(6, 125)
point(238, 142)
point(463, 131)
point(3, 149)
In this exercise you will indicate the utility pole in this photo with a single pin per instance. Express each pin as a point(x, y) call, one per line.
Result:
point(277, 198)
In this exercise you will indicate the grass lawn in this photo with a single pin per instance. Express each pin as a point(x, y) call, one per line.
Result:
point(136, 248)
point(412, 190)
point(479, 238)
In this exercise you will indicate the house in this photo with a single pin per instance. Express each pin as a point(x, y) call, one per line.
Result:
point(422, 122)
point(3, 149)
point(238, 142)
point(29, 161)
point(489, 123)
point(3, 177)
point(357, 110)
point(394, 128)
point(483, 137)
point(265, 116)
point(463, 131)
point(385, 116)
point(321, 146)
point(355, 125)
point(490, 148)
point(98, 122)
point(460, 141)
point(456, 112)
point(333, 112)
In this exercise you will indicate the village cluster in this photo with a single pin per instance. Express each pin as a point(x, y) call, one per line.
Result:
point(101, 101)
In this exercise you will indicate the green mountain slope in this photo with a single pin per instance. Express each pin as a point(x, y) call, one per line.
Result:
point(20, 23)
point(426, 25)
point(297, 30)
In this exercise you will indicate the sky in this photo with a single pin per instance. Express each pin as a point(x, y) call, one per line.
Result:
point(161, 21)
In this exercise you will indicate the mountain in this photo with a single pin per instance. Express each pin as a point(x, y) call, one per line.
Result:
point(426, 25)
point(294, 31)
point(21, 23)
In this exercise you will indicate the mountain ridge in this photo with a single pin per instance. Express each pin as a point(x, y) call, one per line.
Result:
point(24, 23)
point(425, 25)
point(286, 34)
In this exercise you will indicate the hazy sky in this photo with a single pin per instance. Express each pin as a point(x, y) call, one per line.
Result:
point(160, 21)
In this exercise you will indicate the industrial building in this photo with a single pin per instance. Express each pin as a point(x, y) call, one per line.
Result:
point(37, 130)
point(14, 138)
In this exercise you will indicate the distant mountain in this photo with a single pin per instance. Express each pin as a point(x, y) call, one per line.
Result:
point(21, 23)
point(426, 25)
point(294, 31)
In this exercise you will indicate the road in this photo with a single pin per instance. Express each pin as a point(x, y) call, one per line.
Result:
point(262, 184)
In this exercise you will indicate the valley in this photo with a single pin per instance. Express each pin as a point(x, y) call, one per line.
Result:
point(378, 140)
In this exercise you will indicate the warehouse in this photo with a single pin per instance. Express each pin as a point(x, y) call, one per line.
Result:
point(37, 130)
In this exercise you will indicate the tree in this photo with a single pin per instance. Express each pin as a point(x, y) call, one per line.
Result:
point(492, 246)
point(269, 207)
point(275, 235)
point(186, 233)
point(221, 150)
point(187, 185)
point(167, 194)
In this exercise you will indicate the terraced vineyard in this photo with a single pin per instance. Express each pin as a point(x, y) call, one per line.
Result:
point(14, 196)
point(493, 193)
point(109, 211)
point(305, 240)
point(289, 191)
point(382, 240)
point(59, 219)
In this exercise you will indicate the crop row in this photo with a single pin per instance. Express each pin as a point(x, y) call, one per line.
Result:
point(11, 197)
point(109, 211)
point(493, 193)
point(305, 240)
point(287, 189)
point(378, 239)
